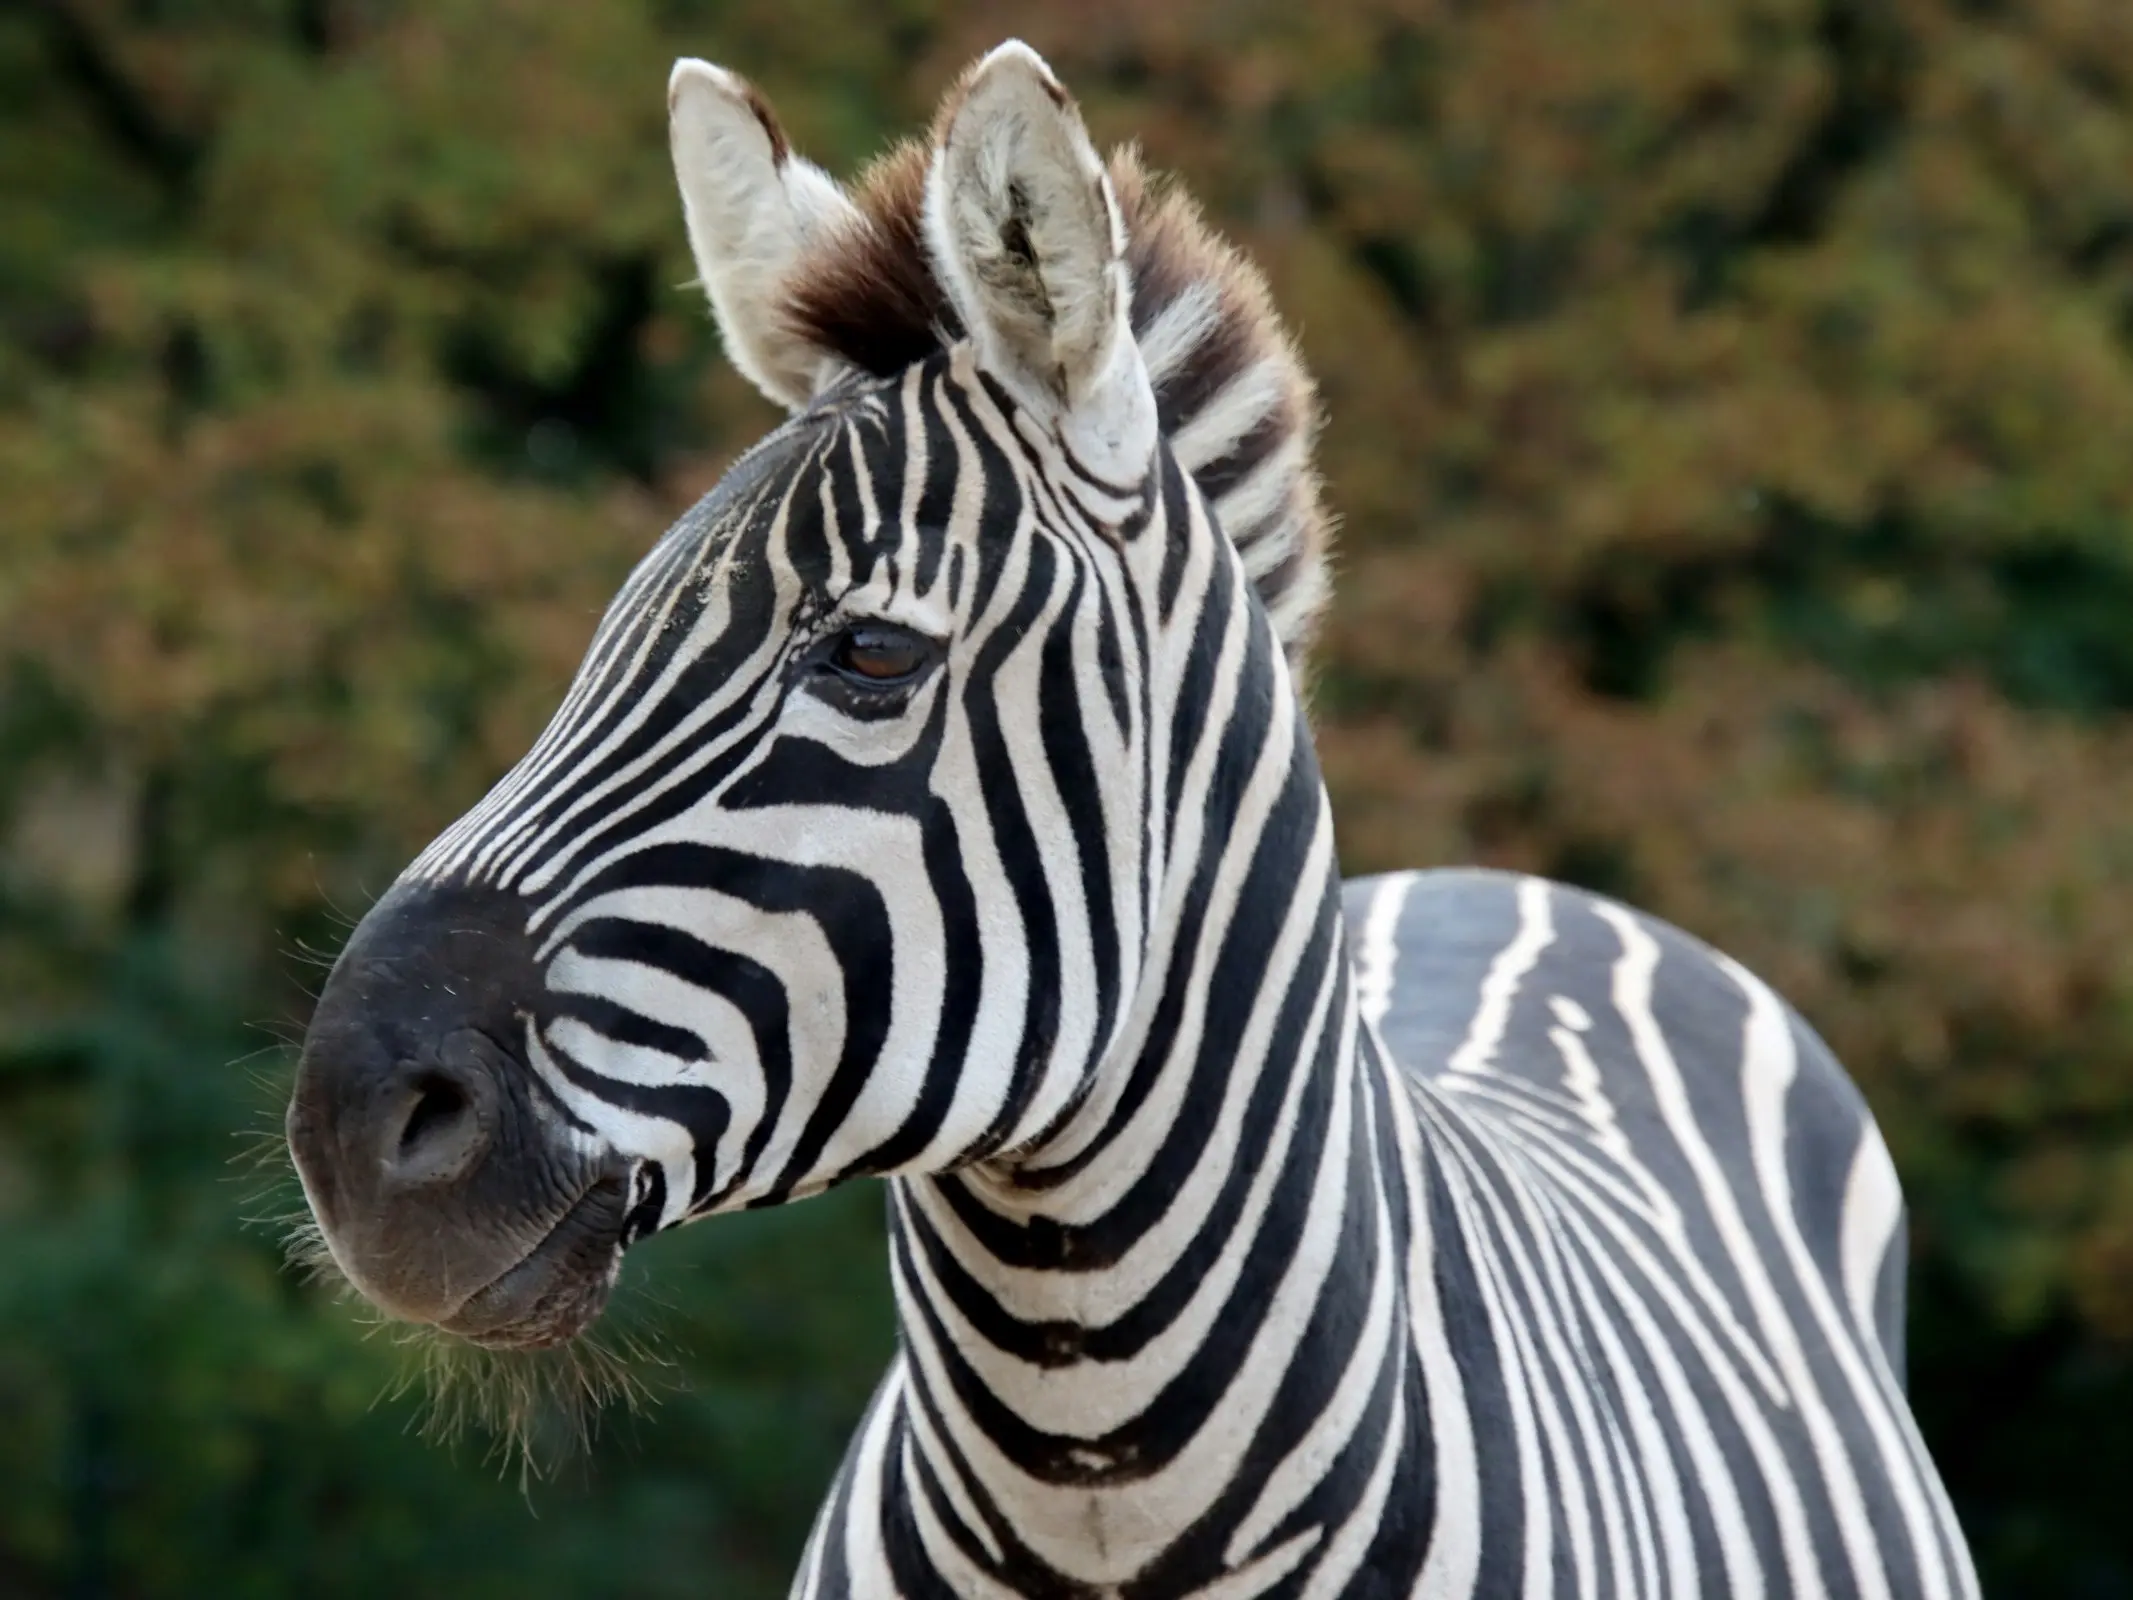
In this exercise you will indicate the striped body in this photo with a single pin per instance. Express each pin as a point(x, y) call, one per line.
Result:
point(1582, 1275)
point(936, 803)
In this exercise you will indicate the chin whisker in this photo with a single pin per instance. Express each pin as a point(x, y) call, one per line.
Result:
point(538, 1409)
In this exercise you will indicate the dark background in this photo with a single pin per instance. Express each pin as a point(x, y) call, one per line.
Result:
point(1732, 418)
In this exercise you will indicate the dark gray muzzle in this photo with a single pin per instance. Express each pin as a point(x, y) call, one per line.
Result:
point(450, 1184)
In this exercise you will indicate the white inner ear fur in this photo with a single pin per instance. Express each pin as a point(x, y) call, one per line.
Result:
point(1027, 237)
point(752, 208)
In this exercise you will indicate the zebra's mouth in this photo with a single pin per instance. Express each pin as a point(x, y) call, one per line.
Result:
point(556, 1290)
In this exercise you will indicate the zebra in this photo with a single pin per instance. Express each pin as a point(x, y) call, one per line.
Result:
point(936, 802)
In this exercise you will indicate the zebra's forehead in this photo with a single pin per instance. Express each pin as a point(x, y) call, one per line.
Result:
point(787, 468)
point(865, 476)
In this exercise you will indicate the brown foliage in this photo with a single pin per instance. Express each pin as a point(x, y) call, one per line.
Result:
point(1728, 415)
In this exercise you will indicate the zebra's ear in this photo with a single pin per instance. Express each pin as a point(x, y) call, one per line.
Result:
point(753, 208)
point(1029, 242)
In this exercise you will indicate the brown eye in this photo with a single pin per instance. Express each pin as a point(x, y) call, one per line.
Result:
point(878, 655)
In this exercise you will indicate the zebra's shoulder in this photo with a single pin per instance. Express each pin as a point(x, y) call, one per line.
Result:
point(1547, 1019)
point(1458, 964)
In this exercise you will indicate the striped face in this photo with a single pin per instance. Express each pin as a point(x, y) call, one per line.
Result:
point(836, 858)
point(833, 858)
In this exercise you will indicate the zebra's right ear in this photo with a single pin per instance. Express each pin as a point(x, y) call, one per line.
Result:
point(753, 208)
point(1029, 241)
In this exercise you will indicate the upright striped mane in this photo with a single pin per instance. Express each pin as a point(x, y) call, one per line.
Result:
point(1232, 394)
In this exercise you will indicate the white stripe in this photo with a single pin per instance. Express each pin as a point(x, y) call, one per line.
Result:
point(1873, 1207)
point(1768, 1068)
point(1178, 330)
point(1239, 407)
point(1264, 491)
point(1461, 1181)
point(1376, 959)
point(1293, 1478)
point(1536, 931)
point(1633, 1000)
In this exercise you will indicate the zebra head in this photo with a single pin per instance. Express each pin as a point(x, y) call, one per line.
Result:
point(843, 854)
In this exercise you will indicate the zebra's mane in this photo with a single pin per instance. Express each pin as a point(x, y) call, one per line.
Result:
point(1232, 394)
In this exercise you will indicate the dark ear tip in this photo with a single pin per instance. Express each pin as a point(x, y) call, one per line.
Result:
point(729, 86)
point(780, 146)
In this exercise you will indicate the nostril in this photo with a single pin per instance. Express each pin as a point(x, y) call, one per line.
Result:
point(440, 1131)
point(438, 1103)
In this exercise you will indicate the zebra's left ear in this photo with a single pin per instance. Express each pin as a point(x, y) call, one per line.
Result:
point(753, 210)
point(1028, 239)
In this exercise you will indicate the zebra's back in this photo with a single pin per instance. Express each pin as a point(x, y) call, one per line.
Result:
point(1669, 1245)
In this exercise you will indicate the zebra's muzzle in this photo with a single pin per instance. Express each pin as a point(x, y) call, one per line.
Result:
point(449, 1184)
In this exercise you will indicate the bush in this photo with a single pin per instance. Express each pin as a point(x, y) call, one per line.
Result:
point(1729, 413)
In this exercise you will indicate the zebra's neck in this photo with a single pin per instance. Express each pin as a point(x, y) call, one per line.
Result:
point(1145, 1348)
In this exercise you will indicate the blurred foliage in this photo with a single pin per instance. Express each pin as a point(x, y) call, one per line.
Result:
point(1730, 414)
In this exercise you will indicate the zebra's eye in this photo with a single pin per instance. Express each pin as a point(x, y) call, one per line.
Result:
point(879, 655)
